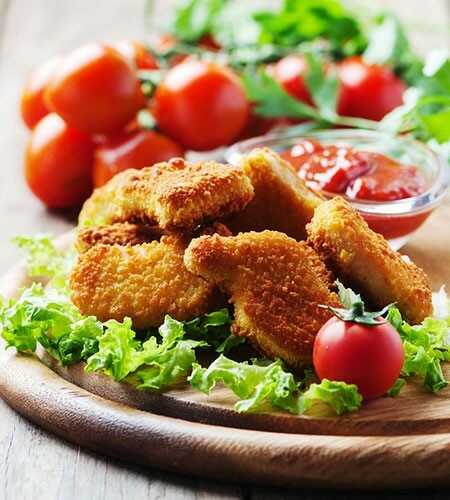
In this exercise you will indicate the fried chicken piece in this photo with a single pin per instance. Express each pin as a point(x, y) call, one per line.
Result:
point(364, 260)
point(276, 285)
point(282, 201)
point(121, 233)
point(172, 195)
point(144, 282)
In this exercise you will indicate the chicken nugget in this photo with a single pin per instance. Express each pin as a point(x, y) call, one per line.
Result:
point(276, 285)
point(121, 233)
point(364, 260)
point(282, 201)
point(144, 282)
point(173, 195)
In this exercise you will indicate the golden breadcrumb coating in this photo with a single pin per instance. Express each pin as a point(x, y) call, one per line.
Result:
point(282, 201)
point(144, 282)
point(364, 260)
point(172, 195)
point(121, 233)
point(276, 285)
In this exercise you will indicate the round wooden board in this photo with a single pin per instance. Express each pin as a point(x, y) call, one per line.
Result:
point(389, 443)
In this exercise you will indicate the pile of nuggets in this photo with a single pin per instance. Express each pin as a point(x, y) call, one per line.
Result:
point(184, 238)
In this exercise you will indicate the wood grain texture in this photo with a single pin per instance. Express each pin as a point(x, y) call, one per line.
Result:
point(401, 440)
point(31, 31)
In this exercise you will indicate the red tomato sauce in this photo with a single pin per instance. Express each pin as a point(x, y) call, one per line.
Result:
point(360, 175)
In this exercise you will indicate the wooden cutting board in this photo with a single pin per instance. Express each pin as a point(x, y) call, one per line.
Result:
point(391, 442)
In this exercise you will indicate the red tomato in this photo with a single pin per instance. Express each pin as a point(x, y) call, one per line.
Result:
point(58, 163)
point(135, 150)
point(288, 72)
point(32, 105)
point(368, 91)
point(369, 356)
point(136, 54)
point(201, 105)
point(95, 90)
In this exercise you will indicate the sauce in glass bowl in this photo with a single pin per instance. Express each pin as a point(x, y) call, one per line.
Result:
point(393, 182)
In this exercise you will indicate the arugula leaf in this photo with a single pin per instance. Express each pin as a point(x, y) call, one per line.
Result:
point(49, 318)
point(43, 259)
point(261, 387)
point(425, 346)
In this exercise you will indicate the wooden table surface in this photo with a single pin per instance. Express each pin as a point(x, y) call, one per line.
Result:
point(33, 463)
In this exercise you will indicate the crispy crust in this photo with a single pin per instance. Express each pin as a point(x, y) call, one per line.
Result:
point(276, 285)
point(121, 233)
point(364, 260)
point(173, 195)
point(143, 282)
point(282, 201)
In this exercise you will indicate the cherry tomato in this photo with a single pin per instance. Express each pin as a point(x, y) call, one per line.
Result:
point(288, 72)
point(201, 105)
point(135, 150)
point(32, 104)
point(95, 90)
point(369, 356)
point(58, 163)
point(368, 91)
point(136, 54)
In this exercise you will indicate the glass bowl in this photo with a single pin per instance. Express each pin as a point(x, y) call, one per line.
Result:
point(395, 220)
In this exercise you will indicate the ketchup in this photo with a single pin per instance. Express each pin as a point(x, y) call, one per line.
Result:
point(361, 175)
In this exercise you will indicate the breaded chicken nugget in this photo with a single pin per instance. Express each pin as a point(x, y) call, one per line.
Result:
point(364, 260)
point(144, 282)
point(282, 201)
point(173, 195)
point(276, 285)
point(121, 233)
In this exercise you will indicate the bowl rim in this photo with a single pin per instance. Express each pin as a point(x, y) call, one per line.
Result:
point(423, 202)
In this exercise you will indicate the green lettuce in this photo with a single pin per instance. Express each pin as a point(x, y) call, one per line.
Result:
point(215, 329)
point(426, 347)
point(45, 260)
point(154, 364)
point(49, 318)
point(262, 386)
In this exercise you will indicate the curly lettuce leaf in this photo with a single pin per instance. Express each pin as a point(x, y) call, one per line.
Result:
point(260, 387)
point(49, 318)
point(153, 364)
point(426, 346)
point(215, 329)
point(44, 260)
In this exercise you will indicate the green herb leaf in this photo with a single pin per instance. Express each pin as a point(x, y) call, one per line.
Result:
point(389, 45)
point(272, 100)
point(195, 18)
point(306, 20)
point(323, 87)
